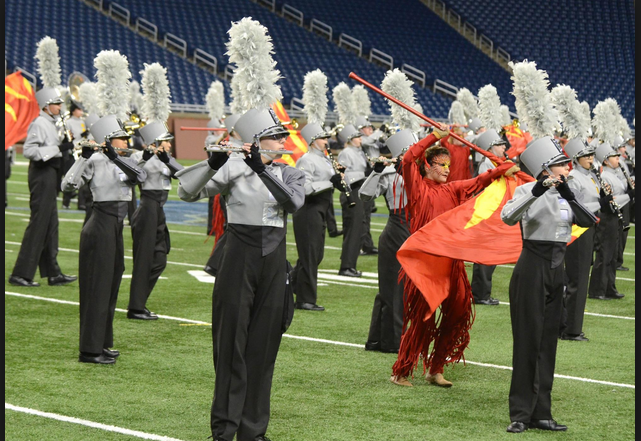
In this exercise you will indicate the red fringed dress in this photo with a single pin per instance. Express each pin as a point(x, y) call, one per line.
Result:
point(448, 330)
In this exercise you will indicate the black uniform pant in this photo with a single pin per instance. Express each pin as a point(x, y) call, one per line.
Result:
point(536, 303)
point(331, 217)
point(309, 230)
point(40, 241)
point(247, 318)
point(100, 273)
point(578, 260)
point(606, 247)
point(623, 234)
point(353, 225)
point(482, 281)
point(67, 163)
point(150, 246)
point(367, 244)
point(386, 325)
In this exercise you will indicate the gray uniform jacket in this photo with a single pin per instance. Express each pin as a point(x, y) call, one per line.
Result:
point(371, 146)
point(619, 172)
point(353, 159)
point(77, 127)
point(43, 139)
point(547, 218)
point(159, 174)
point(107, 179)
point(585, 182)
point(318, 170)
point(485, 165)
point(618, 187)
point(388, 183)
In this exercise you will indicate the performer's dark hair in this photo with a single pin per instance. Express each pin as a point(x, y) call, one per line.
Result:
point(435, 151)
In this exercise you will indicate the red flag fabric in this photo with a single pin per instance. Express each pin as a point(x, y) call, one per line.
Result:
point(518, 140)
point(20, 108)
point(459, 156)
point(295, 142)
point(471, 232)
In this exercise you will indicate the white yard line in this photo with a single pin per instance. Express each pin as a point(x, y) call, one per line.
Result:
point(333, 342)
point(106, 427)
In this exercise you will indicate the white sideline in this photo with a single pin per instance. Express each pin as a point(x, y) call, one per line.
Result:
point(106, 427)
point(333, 342)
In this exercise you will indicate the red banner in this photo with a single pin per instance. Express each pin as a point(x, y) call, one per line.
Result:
point(295, 142)
point(20, 108)
point(518, 140)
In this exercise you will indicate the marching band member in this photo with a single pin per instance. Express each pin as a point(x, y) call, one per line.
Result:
point(110, 178)
point(624, 175)
point(248, 300)
point(387, 315)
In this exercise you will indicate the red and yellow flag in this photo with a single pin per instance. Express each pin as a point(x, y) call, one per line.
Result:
point(295, 142)
point(518, 140)
point(473, 232)
point(20, 108)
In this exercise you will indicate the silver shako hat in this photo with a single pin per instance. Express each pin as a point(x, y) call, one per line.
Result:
point(48, 95)
point(362, 121)
point(155, 132)
point(256, 124)
point(486, 140)
point(108, 127)
point(576, 148)
point(231, 121)
point(474, 124)
point(541, 154)
point(618, 142)
point(348, 133)
point(604, 151)
point(400, 141)
point(313, 131)
point(90, 120)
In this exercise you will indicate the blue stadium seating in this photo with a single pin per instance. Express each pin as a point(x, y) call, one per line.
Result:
point(588, 45)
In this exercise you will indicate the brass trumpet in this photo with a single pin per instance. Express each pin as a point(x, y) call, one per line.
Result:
point(293, 123)
point(217, 148)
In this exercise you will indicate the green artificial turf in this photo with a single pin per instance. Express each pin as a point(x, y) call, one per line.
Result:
point(163, 382)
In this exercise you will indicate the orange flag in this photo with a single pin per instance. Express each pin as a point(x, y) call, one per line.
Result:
point(20, 108)
point(518, 140)
point(295, 142)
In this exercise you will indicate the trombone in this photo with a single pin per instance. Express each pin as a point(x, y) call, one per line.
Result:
point(218, 148)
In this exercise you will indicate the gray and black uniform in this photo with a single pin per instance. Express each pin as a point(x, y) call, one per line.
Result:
point(387, 315)
point(536, 294)
point(40, 241)
point(482, 274)
point(249, 293)
point(77, 128)
point(149, 231)
point(355, 163)
point(101, 244)
point(626, 211)
point(372, 148)
point(578, 257)
point(310, 223)
point(603, 279)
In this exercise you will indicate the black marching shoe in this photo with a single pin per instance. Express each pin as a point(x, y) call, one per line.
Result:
point(97, 359)
point(616, 295)
point(335, 233)
point(262, 438)
point(517, 427)
point(111, 353)
point(372, 252)
point(599, 298)
point(490, 301)
point(548, 425)
point(349, 272)
point(623, 268)
point(61, 279)
point(308, 306)
point(572, 337)
point(209, 270)
point(21, 281)
point(373, 346)
point(145, 314)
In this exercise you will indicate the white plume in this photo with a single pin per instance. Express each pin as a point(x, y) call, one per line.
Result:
point(235, 106)
point(315, 96)
point(344, 104)
point(399, 86)
point(157, 96)
point(215, 100)
point(571, 112)
point(606, 120)
point(490, 108)
point(362, 103)
point(624, 128)
point(250, 49)
point(135, 97)
point(48, 62)
point(506, 118)
point(533, 101)
point(470, 105)
point(112, 71)
point(88, 96)
point(457, 114)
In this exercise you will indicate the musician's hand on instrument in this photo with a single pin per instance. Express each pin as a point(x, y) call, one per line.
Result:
point(247, 147)
point(147, 154)
point(337, 181)
point(110, 151)
point(87, 151)
point(540, 188)
point(66, 146)
point(564, 189)
point(162, 155)
point(631, 192)
point(217, 160)
point(379, 167)
point(605, 201)
point(253, 159)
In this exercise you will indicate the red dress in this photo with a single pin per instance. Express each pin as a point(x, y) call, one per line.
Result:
point(449, 330)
